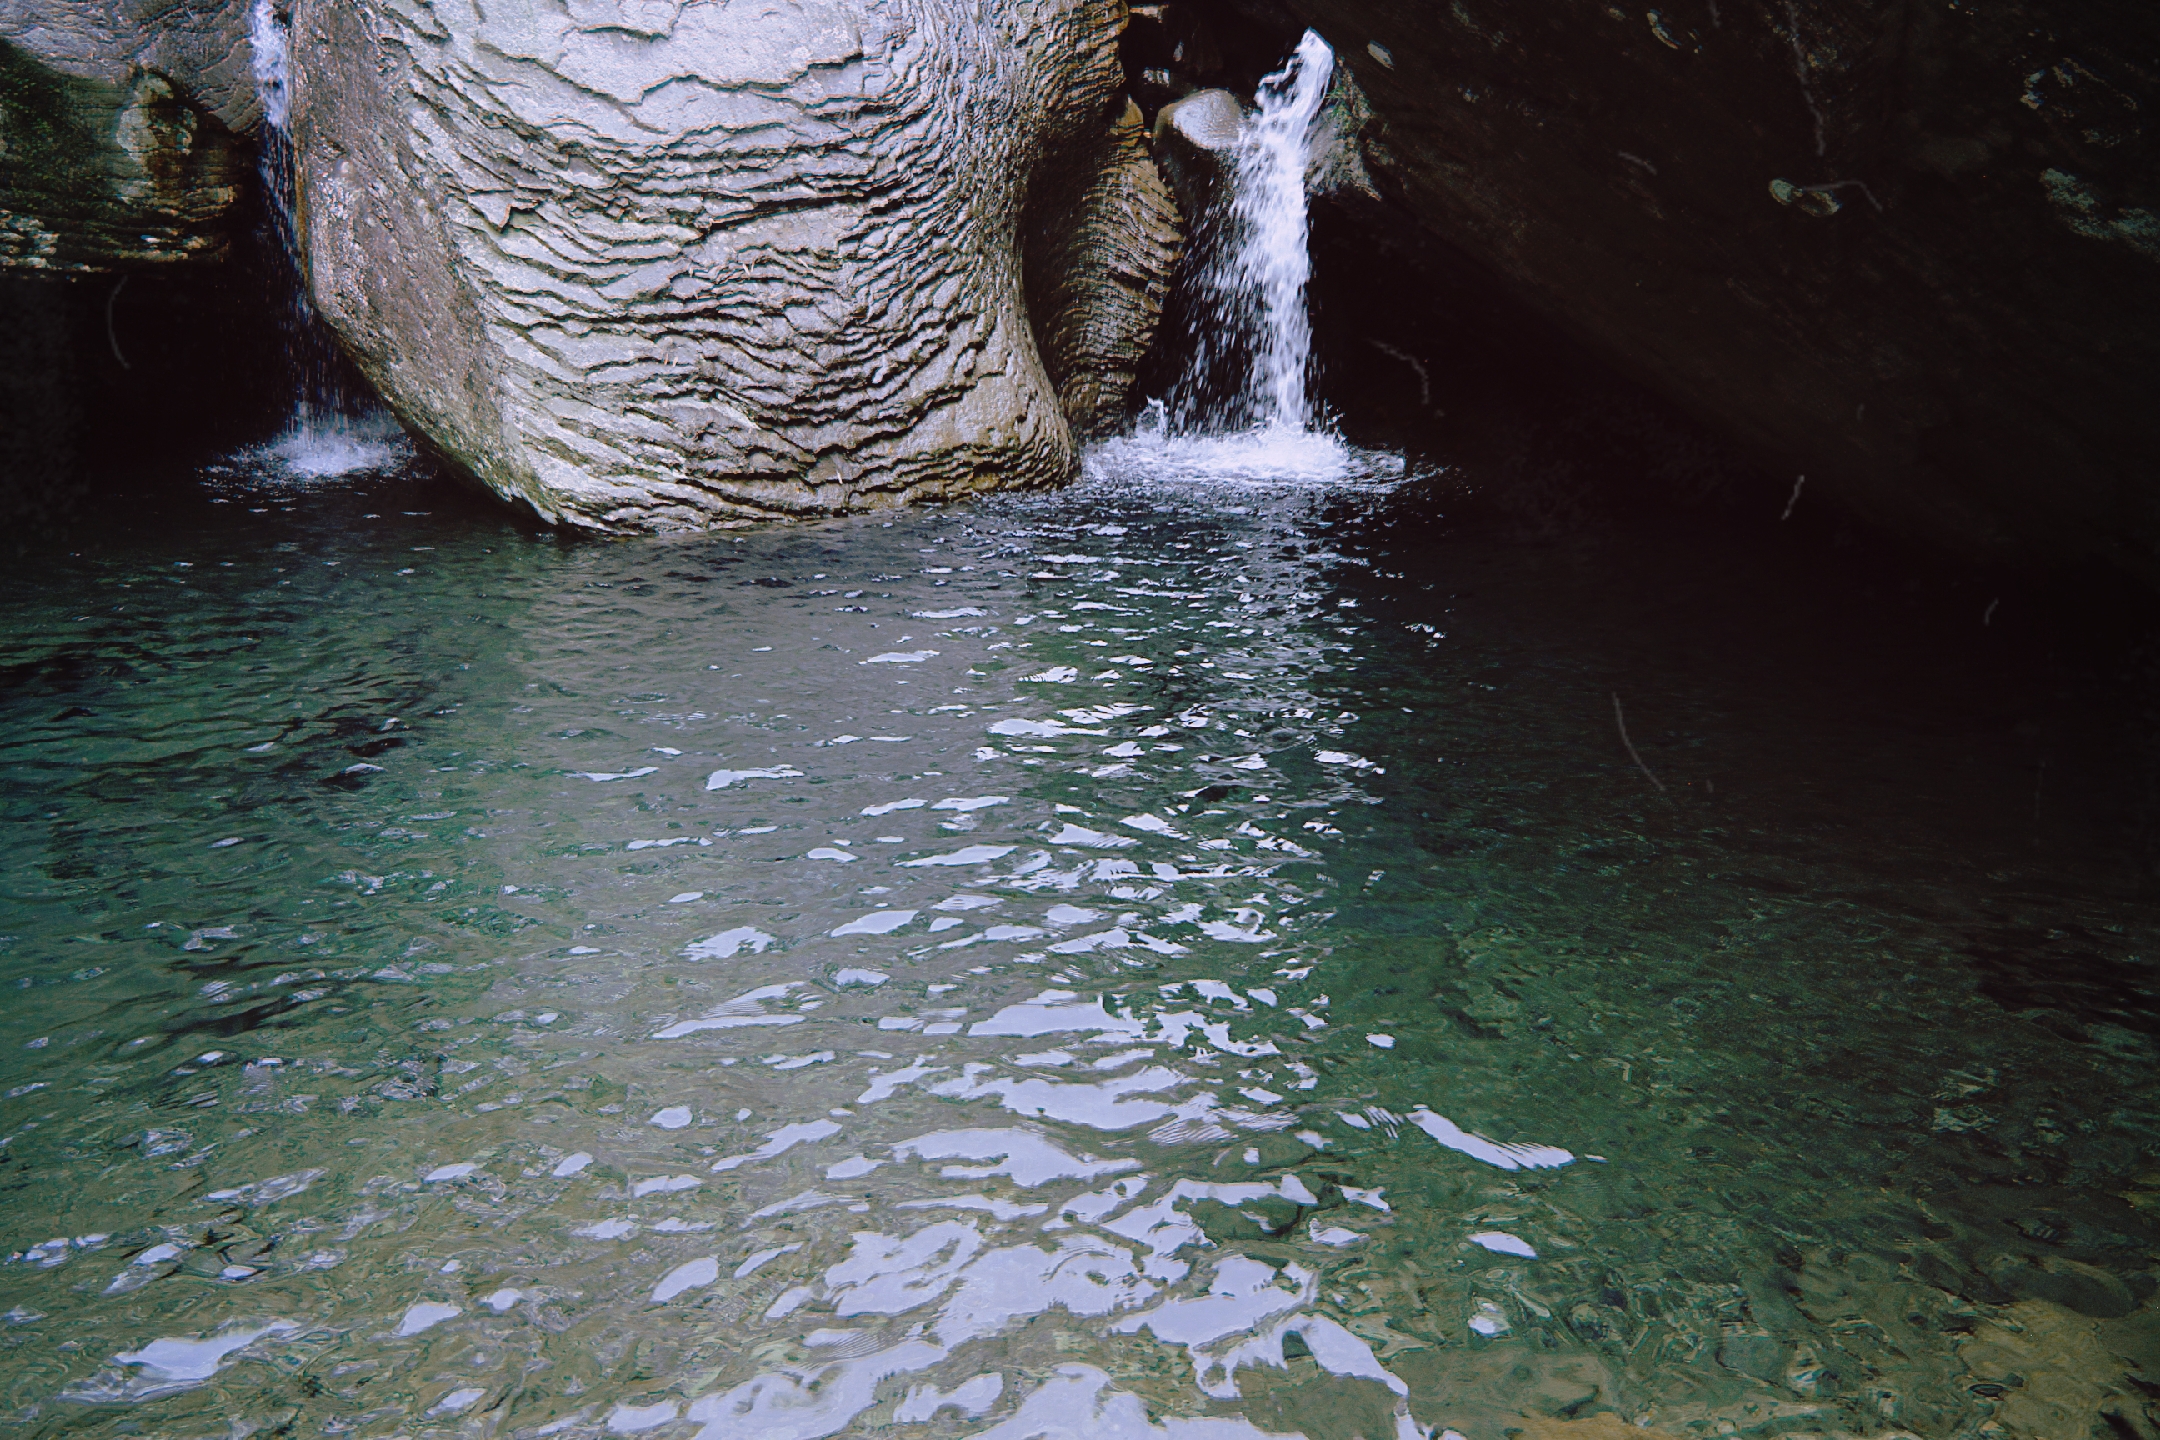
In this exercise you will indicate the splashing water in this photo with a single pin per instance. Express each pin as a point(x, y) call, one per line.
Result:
point(331, 430)
point(1266, 456)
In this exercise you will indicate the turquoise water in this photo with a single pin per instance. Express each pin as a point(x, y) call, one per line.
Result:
point(1172, 957)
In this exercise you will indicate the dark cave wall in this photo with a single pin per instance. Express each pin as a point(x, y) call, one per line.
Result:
point(1907, 249)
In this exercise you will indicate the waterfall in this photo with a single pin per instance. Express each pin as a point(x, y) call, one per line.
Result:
point(333, 427)
point(1253, 349)
point(1241, 413)
point(1273, 263)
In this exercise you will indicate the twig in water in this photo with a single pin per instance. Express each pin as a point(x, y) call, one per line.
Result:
point(1620, 719)
point(1424, 380)
point(1793, 501)
point(111, 337)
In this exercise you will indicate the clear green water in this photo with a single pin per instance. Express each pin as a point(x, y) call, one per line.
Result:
point(1231, 901)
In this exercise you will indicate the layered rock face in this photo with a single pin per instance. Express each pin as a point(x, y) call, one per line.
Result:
point(118, 132)
point(656, 263)
point(644, 263)
point(1909, 250)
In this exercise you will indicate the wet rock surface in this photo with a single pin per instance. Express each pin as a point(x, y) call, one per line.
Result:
point(1100, 254)
point(658, 271)
point(1910, 252)
point(110, 164)
point(645, 267)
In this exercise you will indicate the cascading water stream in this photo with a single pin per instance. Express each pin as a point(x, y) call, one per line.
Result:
point(331, 430)
point(1270, 265)
point(1243, 410)
point(1252, 338)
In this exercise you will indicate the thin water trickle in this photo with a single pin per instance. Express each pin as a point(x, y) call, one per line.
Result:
point(333, 427)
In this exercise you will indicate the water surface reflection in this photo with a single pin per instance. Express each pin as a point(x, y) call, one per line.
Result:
point(1152, 960)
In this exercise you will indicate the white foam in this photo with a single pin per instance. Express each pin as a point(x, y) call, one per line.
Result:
point(1093, 839)
point(1038, 729)
point(631, 1419)
point(1023, 1155)
point(747, 1009)
point(860, 977)
point(278, 1187)
point(970, 1397)
point(1078, 1401)
point(171, 1364)
point(756, 1262)
point(877, 922)
point(883, 1087)
point(816, 1402)
point(997, 1209)
point(1104, 1105)
point(721, 779)
point(970, 855)
point(786, 1138)
point(1054, 1011)
point(664, 1185)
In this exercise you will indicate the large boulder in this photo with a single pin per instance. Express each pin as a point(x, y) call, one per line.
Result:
point(661, 263)
point(1911, 251)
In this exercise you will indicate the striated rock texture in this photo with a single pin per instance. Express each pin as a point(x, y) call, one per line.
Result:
point(658, 263)
point(106, 160)
point(1099, 261)
point(1911, 250)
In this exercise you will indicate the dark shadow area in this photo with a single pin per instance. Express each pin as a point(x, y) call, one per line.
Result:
point(157, 370)
point(99, 374)
point(1532, 443)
